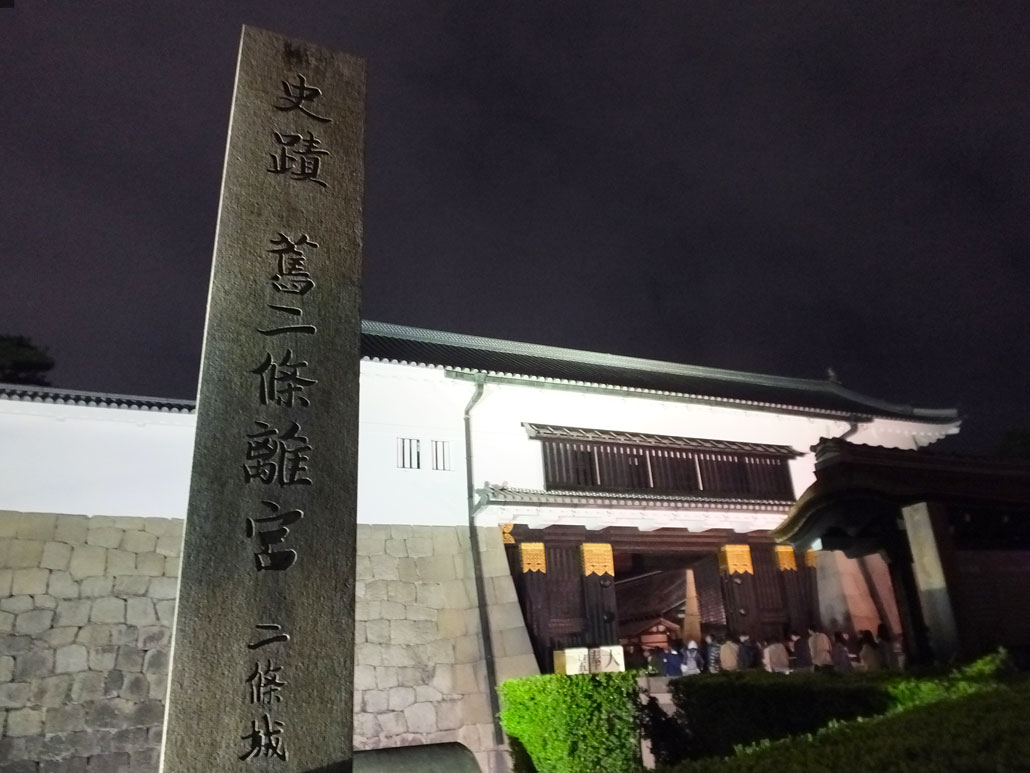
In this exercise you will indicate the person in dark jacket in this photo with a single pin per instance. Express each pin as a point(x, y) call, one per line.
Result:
point(885, 643)
point(673, 661)
point(841, 655)
point(749, 655)
point(635, 659)
point(802, 652)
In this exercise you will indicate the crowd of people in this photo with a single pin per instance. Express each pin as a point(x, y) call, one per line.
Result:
point(813, 650)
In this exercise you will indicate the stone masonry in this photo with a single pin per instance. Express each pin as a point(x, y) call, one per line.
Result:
point(86, 613)
point(421, 673)
point(86, 609)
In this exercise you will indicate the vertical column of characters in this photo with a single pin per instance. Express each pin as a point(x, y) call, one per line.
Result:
point(278, 453)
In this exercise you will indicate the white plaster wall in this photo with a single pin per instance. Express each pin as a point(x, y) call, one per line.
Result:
point(94, 461)
point(400, 401)
point(72, 459)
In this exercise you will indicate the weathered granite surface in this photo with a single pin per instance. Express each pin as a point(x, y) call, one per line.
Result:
point(270, 530)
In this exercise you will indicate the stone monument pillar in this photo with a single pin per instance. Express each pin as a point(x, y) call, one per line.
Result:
point(262, 662)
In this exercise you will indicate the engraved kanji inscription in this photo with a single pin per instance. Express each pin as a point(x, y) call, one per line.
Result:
point(265, 684)
point(274, 457)
point(293, 311)
point(277, 635)
point(292, 272)
point(299, 156)
point(256, 685)
point(271, 531)
point(298, 96)
point(281, 382)
point(265, 739)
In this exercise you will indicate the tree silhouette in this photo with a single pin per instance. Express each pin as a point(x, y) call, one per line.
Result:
point(23, 362)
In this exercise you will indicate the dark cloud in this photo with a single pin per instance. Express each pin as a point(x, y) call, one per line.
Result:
point(769, 187)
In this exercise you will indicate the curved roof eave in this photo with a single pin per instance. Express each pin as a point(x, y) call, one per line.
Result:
point(464, 355)
point(432, 348)
point(54, 396)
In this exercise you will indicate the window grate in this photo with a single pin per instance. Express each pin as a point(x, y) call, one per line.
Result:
point(441, 455)
point(409, 453)
point(600, 466)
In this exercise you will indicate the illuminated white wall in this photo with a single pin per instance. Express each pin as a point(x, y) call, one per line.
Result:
point(399, 401)
point(75, 459)
point(57, 458)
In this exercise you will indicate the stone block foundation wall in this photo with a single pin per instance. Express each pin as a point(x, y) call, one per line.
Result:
point(510, 644)
point(86, 609)
point(86, 614)
point(421, 674)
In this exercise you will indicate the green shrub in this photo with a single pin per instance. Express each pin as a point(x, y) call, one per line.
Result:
point(909, 692)
point(574, 724)
point(722, 711)
point(923, 743)
point(732, 710)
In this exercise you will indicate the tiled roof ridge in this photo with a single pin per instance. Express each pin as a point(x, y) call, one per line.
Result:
point(519, 348)
point(799, 406)
point(827, 449)
point(561, 432)
point(46, 394)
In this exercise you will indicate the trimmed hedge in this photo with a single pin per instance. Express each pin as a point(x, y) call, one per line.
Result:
point(985, 731)
point(722, 712)
point(574, 723)
point(909, 692)
point(729, 710)
point(588, 723)
point(820, 701)
point(725, 710)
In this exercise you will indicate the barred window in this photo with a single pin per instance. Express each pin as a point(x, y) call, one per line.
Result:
point(628, 467)
point(409, 453)
point(441, 455)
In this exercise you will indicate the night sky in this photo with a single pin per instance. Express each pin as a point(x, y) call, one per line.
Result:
point(771, 187)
